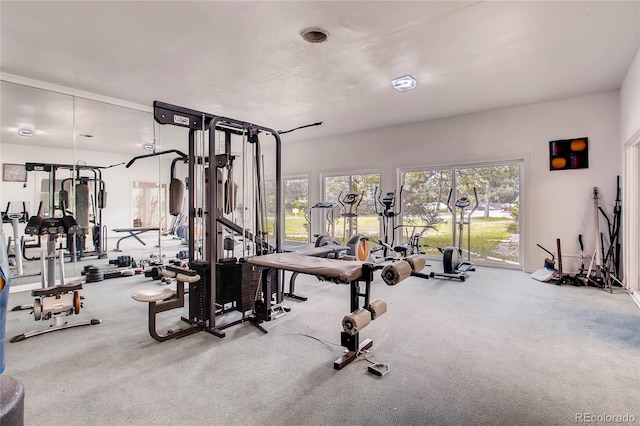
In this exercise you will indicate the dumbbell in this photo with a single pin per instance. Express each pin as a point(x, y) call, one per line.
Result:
point(154, 272)
point(121, 261)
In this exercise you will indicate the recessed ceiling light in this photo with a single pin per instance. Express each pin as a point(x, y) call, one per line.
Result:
point(402, 84)
point(26, 132)
point(315, 35)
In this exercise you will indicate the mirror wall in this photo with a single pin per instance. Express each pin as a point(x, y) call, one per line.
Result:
point(79, 149)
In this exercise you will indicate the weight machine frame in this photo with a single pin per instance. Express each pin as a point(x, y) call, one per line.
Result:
point(213, 214)
point(98, 186)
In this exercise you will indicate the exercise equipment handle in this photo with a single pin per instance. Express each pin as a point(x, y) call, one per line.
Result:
point(341, 200)
point(475, 195)
point(377, 201)
point(552, 255)
point(580, 242)
point(399, 212)
point(449, 200)
point(475, 207)
point(138, 157)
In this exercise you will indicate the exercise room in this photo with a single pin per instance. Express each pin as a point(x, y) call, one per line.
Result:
point(319, 213)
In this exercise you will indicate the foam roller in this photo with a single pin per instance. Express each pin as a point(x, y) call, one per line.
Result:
point(377, 307)
point(394, 273)
point(168, 274)
point(188, 278)
point(417, 262)
point(356, 321)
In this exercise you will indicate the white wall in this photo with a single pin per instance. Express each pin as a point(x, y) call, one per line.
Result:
point(630, 101)
point(630, 138)
point(556, 204)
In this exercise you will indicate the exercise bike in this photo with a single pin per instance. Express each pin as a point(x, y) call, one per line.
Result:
point(53, 301)
point(453, 264)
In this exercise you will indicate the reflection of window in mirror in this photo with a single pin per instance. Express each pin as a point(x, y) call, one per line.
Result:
point(44, 197)
point(149, 207)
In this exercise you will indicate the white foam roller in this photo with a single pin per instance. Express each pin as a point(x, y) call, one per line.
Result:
point(168, 273)
point(188, 278)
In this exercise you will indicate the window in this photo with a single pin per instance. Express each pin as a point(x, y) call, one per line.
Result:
point(493, 234)
point(296, 206)
point(366, 221)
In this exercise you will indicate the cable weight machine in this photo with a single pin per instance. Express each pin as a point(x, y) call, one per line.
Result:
point(220, 280)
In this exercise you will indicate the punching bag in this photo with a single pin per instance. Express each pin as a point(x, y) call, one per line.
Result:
point(176, 197)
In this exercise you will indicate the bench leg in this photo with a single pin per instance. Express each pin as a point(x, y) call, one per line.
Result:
point(171, 334)
point(354, 347)
point(131, 234)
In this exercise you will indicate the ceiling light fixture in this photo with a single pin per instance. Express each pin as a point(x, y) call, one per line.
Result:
point(315, 35)
point(148, 146)
point(402, 84)
point(26, 133)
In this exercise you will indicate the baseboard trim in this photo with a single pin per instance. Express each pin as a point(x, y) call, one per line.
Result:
point(36, 285)
point(24, 287)
point(635, 296)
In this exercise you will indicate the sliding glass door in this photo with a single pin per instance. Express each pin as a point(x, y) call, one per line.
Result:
point(490, 233)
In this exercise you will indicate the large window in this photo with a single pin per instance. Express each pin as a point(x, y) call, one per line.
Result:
point(366, 222)
point(296, 205)
point(493, 235)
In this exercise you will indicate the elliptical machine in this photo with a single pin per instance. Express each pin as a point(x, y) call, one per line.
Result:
point(358, 244)
point(385, 206)
point(453, 264)
point(328, 234)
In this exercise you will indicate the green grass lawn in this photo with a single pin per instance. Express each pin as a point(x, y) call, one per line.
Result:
point(490, 237)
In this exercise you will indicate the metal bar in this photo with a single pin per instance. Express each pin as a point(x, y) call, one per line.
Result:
point(192, 209)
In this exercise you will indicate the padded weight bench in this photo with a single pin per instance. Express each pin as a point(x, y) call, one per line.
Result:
point(354, 273)
point(334, 269)
point(133, 232)
point(322, 251)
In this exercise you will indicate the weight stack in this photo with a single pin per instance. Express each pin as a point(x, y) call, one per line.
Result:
point(246, 280)
point(226, 285)
point(199, 294)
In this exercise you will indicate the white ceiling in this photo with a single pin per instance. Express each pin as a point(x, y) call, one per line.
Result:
point(246, 60)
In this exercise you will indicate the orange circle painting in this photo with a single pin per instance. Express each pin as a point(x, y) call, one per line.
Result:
point(578, 145)
point(559, 163)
